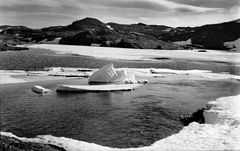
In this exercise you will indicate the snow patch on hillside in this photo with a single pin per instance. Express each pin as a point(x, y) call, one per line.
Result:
point(167, 30)
point(233, 45)
point(187, 42)
point(108, 26)
point(54, 41)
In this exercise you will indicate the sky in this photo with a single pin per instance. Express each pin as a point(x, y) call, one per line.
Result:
point(175, 13)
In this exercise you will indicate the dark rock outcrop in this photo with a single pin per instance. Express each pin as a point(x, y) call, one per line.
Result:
point(143, 43)
point(89, 37)
point(153, 30)
point(106, 35)
point(207, 36)
point(194, 117)
point(214, 36)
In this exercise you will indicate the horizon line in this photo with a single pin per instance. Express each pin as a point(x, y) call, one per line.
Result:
point(117, 23)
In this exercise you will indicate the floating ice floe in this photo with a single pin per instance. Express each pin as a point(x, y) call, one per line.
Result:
point(199, 73)
point(118, 74)
point(7, 78)
point(13, 71)
point(69, 74)
point(40, 89)
point(155, 71)
point(224, 134)
point(121, 80)
point(97, 88)
point(66, 72)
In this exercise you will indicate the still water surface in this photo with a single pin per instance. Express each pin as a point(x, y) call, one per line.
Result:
point(115, 119)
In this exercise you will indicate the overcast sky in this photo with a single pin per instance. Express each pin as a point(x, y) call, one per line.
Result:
point(43, 13)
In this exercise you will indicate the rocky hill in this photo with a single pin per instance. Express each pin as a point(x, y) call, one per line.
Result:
point(215, 36)
point(90, 31)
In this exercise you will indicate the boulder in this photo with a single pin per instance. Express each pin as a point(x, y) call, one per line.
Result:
point(194, 117)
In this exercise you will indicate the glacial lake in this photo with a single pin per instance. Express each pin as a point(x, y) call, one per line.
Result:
point(115, 119)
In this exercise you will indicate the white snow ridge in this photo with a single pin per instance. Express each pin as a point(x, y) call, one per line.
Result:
point(223, 134)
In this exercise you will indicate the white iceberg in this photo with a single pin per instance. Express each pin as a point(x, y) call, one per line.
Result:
point(108, 74)
point(39, 89)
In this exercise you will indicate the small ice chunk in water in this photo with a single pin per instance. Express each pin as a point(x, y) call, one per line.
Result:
point(39, 89)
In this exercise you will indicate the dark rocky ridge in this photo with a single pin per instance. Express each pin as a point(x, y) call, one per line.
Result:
point(208, 36)
point(90, 31)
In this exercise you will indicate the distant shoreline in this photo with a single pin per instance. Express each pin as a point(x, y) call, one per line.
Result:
point(36, 59)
